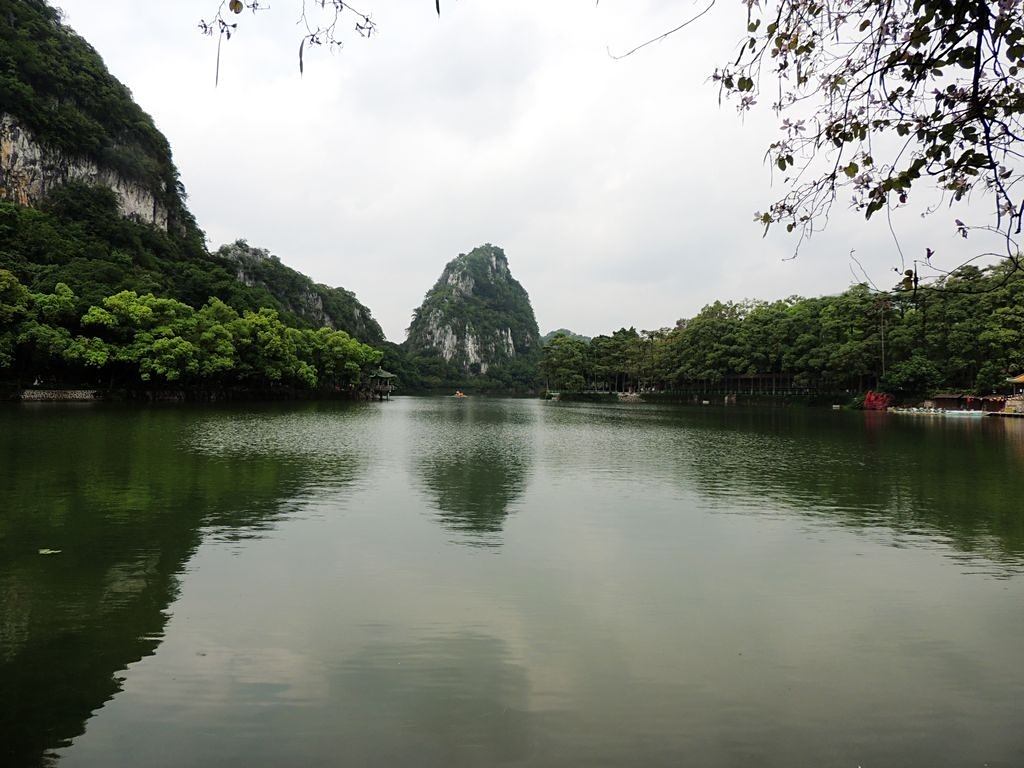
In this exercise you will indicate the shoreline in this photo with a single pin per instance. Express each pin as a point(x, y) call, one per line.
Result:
point(98, 395)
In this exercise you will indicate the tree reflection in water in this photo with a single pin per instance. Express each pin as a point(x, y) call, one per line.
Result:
point(126, 496)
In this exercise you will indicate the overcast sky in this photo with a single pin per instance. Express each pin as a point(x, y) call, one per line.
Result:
point(621, 191)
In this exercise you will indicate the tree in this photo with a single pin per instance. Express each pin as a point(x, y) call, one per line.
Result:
point(878, 95)
point(14, 307)
point(152, 336)
point(267, 352)
point(914, 376)
point(564, 363)
point(339, 359)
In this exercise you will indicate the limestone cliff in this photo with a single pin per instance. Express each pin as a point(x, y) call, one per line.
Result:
point(476, 315)
point(29, 171)
point(64, 118)
point(294, 293)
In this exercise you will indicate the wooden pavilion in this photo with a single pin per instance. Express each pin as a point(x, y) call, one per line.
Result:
point(382, 384)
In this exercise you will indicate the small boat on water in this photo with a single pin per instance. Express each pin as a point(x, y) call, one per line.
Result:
point(460, 394)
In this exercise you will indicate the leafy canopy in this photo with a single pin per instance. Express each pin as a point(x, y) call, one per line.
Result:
point(133, 341)
point(878, 96)
point(965, 334)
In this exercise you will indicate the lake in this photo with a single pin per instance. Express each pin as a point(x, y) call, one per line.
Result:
point(435, 582)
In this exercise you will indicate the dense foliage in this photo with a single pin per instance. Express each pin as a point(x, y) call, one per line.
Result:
point(131, 341)
point(88, 297)
point(78, 238)
point(967, 333)
point(428, 371)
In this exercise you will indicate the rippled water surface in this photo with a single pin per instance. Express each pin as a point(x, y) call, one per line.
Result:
point(434, 582)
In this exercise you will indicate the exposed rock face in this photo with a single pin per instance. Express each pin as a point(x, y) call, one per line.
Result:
point(29, 170)
point(316, 304)
point(476, 315)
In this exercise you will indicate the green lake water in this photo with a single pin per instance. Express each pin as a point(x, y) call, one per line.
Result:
point(434, 582)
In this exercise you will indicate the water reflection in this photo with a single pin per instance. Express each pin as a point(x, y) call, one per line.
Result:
point(474, 458)
point(929, 482)
point(680, 583)
point(324, 446)
point(126, 502)
point(455, 699)
point(951, 482)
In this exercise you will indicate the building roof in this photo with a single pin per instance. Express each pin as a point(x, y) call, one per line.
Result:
point(1017, 379)
point(380, 373)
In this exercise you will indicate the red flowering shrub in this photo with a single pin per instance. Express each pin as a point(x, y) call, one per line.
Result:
point(877, 401)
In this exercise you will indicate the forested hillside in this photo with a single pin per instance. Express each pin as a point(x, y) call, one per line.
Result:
point(134, 342)
point(295, 295)
point(82, 167)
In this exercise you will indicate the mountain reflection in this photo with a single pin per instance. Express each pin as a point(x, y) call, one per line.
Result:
point(126, 500)
point(474, 458)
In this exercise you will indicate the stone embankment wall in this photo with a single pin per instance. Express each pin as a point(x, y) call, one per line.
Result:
point(29, 170)
point(59, 395)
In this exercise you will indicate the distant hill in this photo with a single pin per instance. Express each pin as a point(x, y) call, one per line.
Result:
point(476, 316)
point(562, 332)
point(295, 294)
